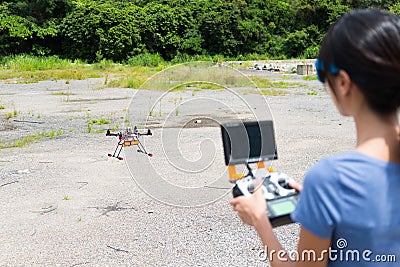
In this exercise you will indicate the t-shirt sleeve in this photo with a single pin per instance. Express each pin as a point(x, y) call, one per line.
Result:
point(319, 202)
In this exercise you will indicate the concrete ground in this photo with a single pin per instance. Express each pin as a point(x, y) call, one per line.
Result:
point(64, 202)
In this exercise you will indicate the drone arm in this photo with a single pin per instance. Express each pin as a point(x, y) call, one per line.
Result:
point(109, 133)
point(146, 133)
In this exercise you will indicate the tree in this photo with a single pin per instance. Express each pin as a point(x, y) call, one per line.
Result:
point(382, 4)
point(31, 26)
point(219, 27)
point(120, 29)
point(14, 33)
point(93, 31)
point(395, 8)
point(164, 29)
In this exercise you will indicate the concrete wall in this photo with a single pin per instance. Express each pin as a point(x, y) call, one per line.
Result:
point(290, 65)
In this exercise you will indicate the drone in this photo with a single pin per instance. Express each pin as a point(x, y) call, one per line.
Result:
point(129, 138)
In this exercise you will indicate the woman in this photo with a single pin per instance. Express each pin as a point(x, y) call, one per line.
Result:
point(349, 207)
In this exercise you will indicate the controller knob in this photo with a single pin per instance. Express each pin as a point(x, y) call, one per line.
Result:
point(282, 182)
point(272, 188)
point(250, 188)
point(236, 191)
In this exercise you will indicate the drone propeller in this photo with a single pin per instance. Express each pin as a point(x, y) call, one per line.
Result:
point(109, 133)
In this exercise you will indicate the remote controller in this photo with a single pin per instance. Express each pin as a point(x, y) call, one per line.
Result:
point(281, 198)
point(247, 142)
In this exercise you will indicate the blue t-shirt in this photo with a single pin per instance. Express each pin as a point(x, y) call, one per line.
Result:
point(355, 200)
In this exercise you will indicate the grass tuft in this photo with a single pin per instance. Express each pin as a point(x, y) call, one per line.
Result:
point(90, 123)
point(270, 92)
point(282, 84)
point(266, 83)
point(31, 69)
point(22, 63)
point(267, 92)
point(310, 78)
point(61, 93)
point(32, 139)
point(101, 121)
point(312, 92)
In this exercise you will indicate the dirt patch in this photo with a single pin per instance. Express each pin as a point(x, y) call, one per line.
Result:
point(200, 121)
point(5, 125)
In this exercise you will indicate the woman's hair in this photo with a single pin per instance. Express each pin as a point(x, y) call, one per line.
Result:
point(366, 44)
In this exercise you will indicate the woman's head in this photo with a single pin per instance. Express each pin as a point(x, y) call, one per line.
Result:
point(366, 45)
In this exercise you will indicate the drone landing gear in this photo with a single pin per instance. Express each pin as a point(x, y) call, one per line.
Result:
point(120, 158)
point(143, 150)
point(121, 144)
point(119, 149)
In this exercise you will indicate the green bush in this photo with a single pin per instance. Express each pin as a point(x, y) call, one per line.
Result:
point(163, 28)
point(311, 52)
point(93, 31)
point(395, 8)
point(295, 43)
point(31, 26)
point(31, 63)
point(147, 60)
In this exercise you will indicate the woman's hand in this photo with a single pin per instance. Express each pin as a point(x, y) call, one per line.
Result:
point(295, 185)
point(251, 208)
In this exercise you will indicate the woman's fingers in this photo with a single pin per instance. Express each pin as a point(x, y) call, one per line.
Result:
point(296, 186)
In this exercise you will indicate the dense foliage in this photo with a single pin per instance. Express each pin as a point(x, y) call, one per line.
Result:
point(120, 30)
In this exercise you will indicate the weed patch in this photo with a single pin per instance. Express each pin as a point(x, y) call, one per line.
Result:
point(32, 139)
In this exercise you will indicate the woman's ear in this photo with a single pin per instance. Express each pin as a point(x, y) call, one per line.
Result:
point(343, 84)
point(348, 96)
point(341, 92)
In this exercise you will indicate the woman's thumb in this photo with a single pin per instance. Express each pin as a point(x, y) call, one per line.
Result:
point(258, 188)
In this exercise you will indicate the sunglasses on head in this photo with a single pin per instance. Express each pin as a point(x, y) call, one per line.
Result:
point(321, 72)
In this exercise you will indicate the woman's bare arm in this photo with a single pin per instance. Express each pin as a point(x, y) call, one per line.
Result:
point(312, 250)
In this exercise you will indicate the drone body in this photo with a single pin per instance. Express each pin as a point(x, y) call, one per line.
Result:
point(129, 138)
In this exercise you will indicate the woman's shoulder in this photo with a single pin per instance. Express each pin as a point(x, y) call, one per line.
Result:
point(349, 167)
point(327, 167)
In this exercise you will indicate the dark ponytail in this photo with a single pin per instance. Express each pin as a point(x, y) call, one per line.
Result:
point(366, 44)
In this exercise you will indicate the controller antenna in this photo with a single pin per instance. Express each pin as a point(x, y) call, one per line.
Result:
point(250, 173)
